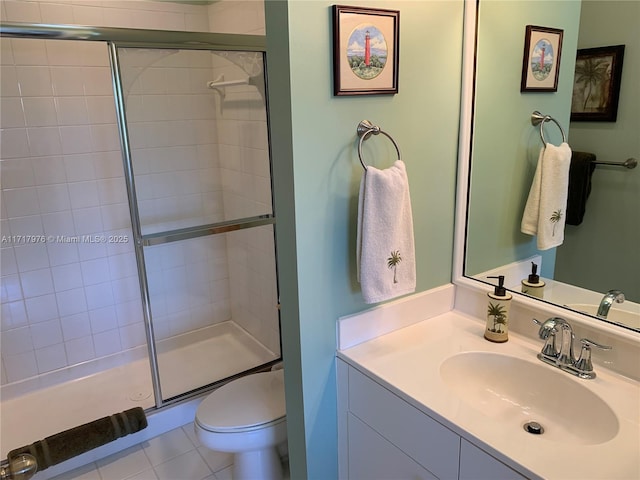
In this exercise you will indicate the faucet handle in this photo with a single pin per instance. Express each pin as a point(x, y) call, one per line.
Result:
point(591, 343)
point(583, 364)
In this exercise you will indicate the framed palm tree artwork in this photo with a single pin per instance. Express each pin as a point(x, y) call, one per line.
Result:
point(596, 85)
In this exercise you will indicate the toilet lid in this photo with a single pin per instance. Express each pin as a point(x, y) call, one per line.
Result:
point(244, 403)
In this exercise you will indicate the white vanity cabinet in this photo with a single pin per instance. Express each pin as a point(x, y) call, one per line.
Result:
point(381, 436)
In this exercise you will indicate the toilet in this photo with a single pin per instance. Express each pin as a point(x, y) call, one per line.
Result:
point(247, 417)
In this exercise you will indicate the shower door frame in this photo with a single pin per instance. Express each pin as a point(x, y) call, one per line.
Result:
point(166, 39)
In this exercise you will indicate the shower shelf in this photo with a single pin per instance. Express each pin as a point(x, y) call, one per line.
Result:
point(204, 230)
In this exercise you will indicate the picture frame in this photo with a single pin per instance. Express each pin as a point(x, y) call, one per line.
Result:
point(596, 84)
point(365, 50)
point(541, 59)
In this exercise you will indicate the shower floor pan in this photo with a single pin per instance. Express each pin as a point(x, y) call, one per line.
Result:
point(186, 362)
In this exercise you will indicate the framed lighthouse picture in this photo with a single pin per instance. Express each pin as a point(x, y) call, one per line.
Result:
point(541, 62)
point(365, 50)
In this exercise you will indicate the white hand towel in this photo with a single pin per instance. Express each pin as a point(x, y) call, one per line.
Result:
point(385, 245)
point(546, 208)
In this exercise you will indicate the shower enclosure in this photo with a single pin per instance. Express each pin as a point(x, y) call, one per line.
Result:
point(137, 218)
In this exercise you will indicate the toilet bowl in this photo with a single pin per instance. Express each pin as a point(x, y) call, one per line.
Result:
point(246, 417)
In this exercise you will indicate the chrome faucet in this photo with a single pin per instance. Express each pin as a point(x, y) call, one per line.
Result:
point(564, 358)
point(607, 301)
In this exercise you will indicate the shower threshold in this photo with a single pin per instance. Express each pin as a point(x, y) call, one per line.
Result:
point(186, 362)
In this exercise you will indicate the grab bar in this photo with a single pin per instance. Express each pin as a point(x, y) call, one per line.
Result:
point(366, 128)
point(539, 119)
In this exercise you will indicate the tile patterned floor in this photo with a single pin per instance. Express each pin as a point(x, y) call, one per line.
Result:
point(175, 455)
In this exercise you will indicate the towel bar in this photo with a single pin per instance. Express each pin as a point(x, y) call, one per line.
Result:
point(538, 119)
point(366, 128)
point(628, 163)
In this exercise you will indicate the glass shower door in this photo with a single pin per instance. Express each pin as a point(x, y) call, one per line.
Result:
point(199, 157)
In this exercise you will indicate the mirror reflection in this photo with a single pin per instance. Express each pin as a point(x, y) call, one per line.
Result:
point(598, 263)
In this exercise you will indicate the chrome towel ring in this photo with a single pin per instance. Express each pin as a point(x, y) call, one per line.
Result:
point(364, 130)
point(539, 119)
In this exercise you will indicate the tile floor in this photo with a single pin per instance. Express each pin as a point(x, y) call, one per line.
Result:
point(175, 455)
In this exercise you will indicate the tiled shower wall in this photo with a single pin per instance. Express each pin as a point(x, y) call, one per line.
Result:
point(62, 171)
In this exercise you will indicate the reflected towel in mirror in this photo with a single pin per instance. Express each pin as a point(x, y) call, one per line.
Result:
point(582, 168)
point(545, 211)
point(385, 254)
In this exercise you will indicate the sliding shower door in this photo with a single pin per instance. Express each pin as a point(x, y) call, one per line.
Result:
point(201, 205)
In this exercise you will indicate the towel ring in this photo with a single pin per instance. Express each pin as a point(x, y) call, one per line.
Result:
point(538, 119)
point(364, 130)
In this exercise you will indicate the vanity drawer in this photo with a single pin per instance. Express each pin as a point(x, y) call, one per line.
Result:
point(426, 441)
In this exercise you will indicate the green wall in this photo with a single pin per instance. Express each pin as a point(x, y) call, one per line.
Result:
point(506, 145)
point(610, 233)
point(316, 176)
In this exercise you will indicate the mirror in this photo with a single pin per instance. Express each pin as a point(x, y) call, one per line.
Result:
point(603, 252)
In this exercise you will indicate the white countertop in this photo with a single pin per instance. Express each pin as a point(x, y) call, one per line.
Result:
point(407, 361)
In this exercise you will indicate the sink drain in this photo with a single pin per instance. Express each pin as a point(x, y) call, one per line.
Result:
point(534, 428)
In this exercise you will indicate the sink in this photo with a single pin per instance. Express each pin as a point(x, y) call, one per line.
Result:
point(516, 391)
point(630, 319)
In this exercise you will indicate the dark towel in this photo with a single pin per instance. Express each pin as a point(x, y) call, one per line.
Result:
point(582, 167)
point(75, 441)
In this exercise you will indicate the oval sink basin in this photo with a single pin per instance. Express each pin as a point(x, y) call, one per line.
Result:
point(630, 319)
point(515, 391)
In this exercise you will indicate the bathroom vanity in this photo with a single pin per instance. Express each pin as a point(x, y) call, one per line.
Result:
point(435, 400)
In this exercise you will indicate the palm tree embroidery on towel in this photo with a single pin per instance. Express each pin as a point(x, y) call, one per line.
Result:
point(555, 218)
point(392, 262)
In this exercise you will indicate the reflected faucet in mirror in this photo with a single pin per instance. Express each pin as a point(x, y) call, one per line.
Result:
point(607, 301)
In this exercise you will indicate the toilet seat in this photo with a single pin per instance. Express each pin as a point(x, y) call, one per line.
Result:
point(248, 403)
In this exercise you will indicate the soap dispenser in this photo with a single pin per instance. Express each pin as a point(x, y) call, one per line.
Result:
point(497, 329)
point(533, 285)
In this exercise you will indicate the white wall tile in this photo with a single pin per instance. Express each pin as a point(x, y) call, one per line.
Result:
point(103, 319)
point(20, 11)
point(97, 80)
point(87, 221)
point(14, 143)
point(71, 302)
point(56, 13)
point(67, 80)
point(46, 333)
point(99, 295)
point(54, 198)
point(84, 194)
point(11, 113)
point(58, 224)
point(67, 277)
point(62, 253)
point(76, 326)
point(51, 358)
point(8, 263)
point(14, 315)
point(79, 350)
point(71, 110)
point(133, 335)
point(17, 340)
point(34, 81)
point(76, 139)
point(20, 366)
point(41, 309)
point(17, 173)
point(39, 111)
point(31, 225)
point(31, 257)
point(29, 52)
point(106, 343)
point(49, 170)
point(44, 141)
point(88, 15)
point(101, 109)
point(105, 138)
point(95, 271)
point(79, 167)
point(36, 282)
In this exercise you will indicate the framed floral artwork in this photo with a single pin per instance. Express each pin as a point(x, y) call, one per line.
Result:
point(541, 60)
point(596, 84)
point(365, 50)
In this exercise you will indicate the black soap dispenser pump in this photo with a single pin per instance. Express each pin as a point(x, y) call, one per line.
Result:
point(497, 328)
point(533, 285)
